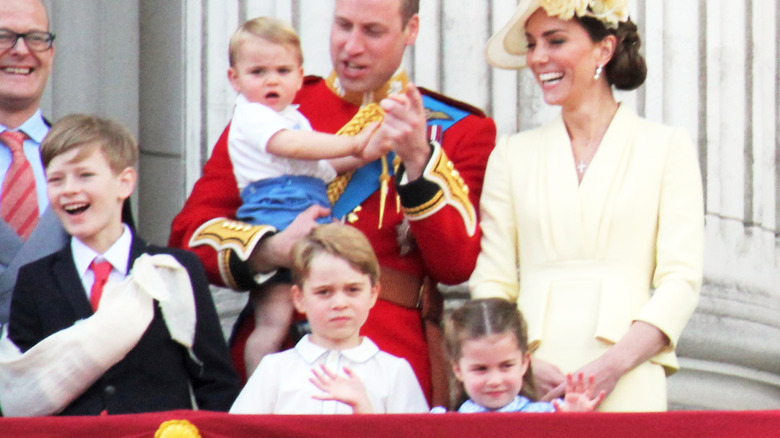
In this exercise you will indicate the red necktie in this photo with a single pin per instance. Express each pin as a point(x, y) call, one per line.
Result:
point(101, 270)
point(19, 202)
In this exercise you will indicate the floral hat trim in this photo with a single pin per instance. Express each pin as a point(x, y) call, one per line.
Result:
point(610, 12)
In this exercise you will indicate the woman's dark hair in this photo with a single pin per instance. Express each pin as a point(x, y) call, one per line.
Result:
point(483, 317)
point(627, 69)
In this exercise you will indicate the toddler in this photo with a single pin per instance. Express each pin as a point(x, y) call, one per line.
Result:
point(333, 370)
point(281, 166)
point(487, 343)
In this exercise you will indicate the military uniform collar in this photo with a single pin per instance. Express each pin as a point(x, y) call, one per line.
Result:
point(396, 84)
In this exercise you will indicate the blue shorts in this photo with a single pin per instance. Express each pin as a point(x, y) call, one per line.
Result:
point(278, 201)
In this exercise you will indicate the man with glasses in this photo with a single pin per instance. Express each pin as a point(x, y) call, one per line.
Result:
point(28, 229)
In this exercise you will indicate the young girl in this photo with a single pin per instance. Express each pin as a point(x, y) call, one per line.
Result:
point(487, 342)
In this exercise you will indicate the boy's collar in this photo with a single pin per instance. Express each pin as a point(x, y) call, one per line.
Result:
point(310, 351)
point(396, 84)
point(118, 254)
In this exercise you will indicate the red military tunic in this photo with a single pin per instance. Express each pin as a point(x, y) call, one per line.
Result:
point(441, 208)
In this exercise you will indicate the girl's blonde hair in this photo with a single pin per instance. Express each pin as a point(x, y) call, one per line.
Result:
point(483, 317)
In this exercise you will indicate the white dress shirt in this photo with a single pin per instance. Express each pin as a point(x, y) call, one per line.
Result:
point(281, 385)
point(118, 255)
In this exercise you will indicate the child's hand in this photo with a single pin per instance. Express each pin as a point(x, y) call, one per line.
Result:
point(363, 139)
point(579, 395)
point(349, 390)
point(377, 144)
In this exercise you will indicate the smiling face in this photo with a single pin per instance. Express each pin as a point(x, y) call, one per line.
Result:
point(87, 195)
point(23, 72)
point(336, 299)
point(492, 368)
point(266, 72)
point(563, 59)
point(367, 42)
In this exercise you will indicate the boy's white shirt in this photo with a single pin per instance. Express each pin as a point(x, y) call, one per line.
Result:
point(117, 254)
point(281, 385)
point(252, 126)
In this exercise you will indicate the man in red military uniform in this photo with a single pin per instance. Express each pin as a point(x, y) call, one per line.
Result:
point(417, 206)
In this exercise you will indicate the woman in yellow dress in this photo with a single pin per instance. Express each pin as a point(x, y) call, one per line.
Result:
point(593, 223)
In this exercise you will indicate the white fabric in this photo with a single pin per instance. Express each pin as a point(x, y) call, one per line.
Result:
point(281, 385)
point(46, 378)
point(252, 126)
point(118, 255)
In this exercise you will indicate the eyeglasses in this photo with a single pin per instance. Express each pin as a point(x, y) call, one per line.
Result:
point(35, 40)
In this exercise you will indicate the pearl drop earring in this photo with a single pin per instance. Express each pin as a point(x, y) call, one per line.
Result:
point(598, 72)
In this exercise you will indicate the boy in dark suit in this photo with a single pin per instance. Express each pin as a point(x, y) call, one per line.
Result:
point(175, 358)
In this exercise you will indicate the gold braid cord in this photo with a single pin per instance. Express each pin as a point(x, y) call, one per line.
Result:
point(454, 191)
point(367, 114)
point(177, 429)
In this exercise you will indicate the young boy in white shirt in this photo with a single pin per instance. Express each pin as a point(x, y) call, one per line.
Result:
point(333, 370)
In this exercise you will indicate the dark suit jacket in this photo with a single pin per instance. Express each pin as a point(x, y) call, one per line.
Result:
point(157, 373)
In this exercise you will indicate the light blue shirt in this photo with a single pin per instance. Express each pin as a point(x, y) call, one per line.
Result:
point(518, 404)
point(36, 129)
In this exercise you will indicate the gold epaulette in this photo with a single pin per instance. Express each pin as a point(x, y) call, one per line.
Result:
point(224, 234)
point(454, 191)
point(367, 114)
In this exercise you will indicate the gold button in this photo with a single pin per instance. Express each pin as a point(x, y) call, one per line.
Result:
point(352, 218)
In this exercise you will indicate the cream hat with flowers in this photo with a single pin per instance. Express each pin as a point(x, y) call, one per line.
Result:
point(507, 47)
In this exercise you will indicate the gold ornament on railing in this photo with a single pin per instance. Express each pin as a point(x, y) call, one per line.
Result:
point(177, 429)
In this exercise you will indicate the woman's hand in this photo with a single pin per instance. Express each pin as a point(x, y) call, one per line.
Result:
point(640, 343)
point(603, 373)
point(549, 380)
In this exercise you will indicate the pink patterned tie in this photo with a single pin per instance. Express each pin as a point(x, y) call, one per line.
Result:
point(101, 270)
point(19, 202)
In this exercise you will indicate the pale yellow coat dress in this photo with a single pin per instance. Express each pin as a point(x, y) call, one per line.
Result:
point(583, 261)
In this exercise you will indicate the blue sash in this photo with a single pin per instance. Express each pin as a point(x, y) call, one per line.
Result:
point(365, 181)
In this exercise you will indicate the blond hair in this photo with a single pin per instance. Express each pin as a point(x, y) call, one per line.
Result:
point(76, 130)
point(339, 240)
point(270, 29)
